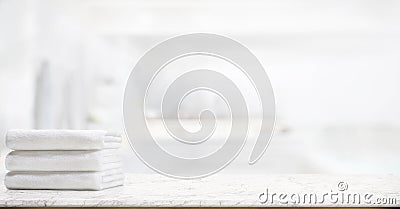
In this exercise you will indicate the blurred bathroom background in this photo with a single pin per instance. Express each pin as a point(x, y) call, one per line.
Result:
point(334, 67)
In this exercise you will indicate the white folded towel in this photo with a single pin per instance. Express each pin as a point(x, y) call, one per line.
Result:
point(61, 140)
point(91, 160)
point(64, 180)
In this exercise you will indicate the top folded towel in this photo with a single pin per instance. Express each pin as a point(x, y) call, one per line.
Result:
point(62, 140)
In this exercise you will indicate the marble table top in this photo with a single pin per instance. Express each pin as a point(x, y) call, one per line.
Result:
point(141, 190)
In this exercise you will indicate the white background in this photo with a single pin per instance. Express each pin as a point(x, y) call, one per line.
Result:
point(334, 67)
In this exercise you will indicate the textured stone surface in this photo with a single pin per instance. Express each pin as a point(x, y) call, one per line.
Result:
point(218, 190)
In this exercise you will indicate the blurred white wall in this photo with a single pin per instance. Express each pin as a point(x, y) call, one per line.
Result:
point(334, 65)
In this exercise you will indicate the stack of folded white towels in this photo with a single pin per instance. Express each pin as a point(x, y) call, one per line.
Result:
point(63, 159)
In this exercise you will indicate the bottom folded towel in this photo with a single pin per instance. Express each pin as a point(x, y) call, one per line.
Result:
point(64, 180)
